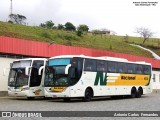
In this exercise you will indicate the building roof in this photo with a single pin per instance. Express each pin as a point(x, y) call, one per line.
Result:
point(44, 49)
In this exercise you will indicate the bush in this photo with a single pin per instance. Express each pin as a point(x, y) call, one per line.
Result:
point(45, 34)
point(79, 33)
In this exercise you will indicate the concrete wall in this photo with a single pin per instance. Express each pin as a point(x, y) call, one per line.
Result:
point(4, 72)
point(155, 79)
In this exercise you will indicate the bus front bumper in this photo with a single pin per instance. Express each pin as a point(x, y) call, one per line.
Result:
point(17, 94)
point(56, 95)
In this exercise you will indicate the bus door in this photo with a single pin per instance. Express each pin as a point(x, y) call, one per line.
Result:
point(36, 78)
point(77, 65)
point(89, 73)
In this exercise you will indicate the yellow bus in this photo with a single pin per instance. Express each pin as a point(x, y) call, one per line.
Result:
point(86, 77)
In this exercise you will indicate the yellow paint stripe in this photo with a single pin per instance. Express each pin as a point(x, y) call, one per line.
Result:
point(129, 80)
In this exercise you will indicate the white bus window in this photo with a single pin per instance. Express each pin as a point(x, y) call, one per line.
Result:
point(21, 64)
point(139, 69)
point(38, 63)
point(90, 65)
point(101, 66)
point(130, 68)
point(35, 79)
point(147, 70)
point(77, 63)
point(112, 67)
point(122, 68)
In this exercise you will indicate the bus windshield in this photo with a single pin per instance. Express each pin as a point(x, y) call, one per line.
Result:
point(55, 72)
point(55, 76)
point(18, 78)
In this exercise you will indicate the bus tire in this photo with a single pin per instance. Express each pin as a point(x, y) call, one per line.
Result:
point(66, 99)
point(133, 92)
point(88, 95)
point(30, 98)
point(139, 92)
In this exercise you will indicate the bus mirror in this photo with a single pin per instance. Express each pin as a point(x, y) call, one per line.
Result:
point(27, 70)
point(11, 64)
point(72, 72)
point(67, 69)
point(40, 69)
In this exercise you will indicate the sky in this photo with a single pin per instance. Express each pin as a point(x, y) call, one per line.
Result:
point(120, 16)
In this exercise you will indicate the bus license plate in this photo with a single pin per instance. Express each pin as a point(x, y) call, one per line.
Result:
point(54, 96)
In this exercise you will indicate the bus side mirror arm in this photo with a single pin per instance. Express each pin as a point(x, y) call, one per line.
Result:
point(67, 69)
point(40, 69)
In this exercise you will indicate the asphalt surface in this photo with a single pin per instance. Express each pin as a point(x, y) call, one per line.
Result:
point(149, 102)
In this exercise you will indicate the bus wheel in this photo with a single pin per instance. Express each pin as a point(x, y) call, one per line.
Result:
point(66, 99)
point(133, 92)
point(140, 92)
point(30, 98)
point(88, 95)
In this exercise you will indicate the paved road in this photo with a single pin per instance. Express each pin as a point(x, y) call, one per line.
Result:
point(150, 102)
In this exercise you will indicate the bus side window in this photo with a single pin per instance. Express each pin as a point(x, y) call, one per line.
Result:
point(77, 63)
point(139, 69)
point(112, 67)
point(90, 65)
point(101, 66)
point(122, 68)
point(147, 70)
point(130, 68)
point(35, 79)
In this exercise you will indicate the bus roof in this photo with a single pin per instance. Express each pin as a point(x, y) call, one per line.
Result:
point(67, 56)
point(31, 59)
point(101, 58)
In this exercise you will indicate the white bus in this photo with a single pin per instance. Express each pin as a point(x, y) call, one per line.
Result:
point(26, 78)
point(86, 77)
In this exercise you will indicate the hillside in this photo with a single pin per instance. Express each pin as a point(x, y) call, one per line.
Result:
point(103, 42)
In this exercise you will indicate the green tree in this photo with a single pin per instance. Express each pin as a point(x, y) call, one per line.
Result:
point(83, 28)
point(48, 24)
point(17, 18)
point(60, 27)
point(69, 26)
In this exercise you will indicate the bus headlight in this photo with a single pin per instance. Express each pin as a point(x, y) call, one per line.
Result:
point(26, 88)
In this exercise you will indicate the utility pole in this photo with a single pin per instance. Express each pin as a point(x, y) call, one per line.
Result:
point(11, 8)
point(10, 18)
